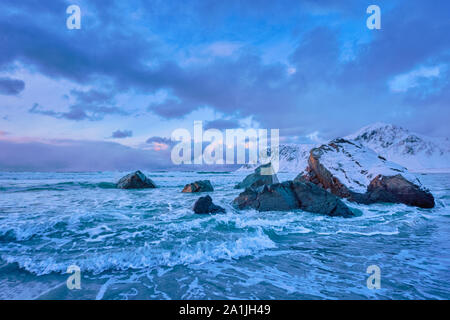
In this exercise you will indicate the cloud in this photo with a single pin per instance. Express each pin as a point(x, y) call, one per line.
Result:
point(90, 105)
point(308, 87)
point(222, 48)
point(70, 155)
point(11, 87)
point(414, 78)
point(160, 143)
point(159, 140)
point(222, 124)
point(119, 134)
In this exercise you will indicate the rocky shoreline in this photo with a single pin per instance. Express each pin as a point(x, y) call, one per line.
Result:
point(341, 169)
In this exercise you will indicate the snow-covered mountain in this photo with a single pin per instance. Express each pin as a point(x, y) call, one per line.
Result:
point(417, 153)
point(292, 158)
point(413, 151)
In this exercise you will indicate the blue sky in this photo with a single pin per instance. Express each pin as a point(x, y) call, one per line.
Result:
point(139, 69)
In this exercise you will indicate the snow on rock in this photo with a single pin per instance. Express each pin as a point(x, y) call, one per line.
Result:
point(353, 165)
point(416, 152)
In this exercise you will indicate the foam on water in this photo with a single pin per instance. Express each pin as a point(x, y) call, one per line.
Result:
point(138, 244)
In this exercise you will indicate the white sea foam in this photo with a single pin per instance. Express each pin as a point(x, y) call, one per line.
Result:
point(133, 244)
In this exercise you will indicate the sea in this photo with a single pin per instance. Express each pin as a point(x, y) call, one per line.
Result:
point(58, 228)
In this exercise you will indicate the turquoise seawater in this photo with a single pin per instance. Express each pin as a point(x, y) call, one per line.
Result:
point(148, 244)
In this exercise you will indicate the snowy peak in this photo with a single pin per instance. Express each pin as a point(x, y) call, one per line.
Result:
point(379, 133)
point(414, 151)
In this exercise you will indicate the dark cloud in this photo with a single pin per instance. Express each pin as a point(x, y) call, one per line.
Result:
point(121, 134)
point(11, 87)
point(159, 140)
point(90, 105)
point(222, 124)
point(325, 93)
point(409, 37)
point(35, 36)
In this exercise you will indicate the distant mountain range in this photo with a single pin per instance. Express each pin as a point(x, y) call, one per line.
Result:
point(418, 153)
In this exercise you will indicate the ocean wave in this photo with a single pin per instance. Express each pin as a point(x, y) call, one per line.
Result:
point(60, 186)
point(148, 256)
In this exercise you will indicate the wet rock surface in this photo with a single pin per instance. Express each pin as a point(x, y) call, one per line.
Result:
point(136, 180)
point(291, 195)
point(395, 189)
point(198, 186)
point(205, 205)
point(259, 178)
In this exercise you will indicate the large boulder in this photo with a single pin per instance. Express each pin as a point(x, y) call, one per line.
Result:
point(315, 199)
point(198, 186)
point(290, 196)
point(136, 180)
point(205, 205)
point(259, 177)
point(395, 189)
point(349, 170)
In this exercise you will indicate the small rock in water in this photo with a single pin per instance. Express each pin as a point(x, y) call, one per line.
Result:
point(258, 179)
point(198, 186)
point(204, 205)
point(136, 180)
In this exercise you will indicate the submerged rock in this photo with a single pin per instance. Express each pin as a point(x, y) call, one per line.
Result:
point(136, 180)
point(198, 186)
point(205, 205)
point(357, 173)
point(291, 195)
point(257, 178)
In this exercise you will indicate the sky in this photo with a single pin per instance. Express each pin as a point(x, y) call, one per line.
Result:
point(109, 95)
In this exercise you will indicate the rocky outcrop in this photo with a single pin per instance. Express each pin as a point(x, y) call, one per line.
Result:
point(136, 180)
point(198, 186)
point(258, 178)
point(291, 195)
point(319, 175)
point(205, 205)
point(395, 189)
point(357, 173)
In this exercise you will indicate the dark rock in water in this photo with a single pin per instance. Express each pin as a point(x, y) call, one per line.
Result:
point(204, 205)
point(395, 189)
point(290, 196)
point(315, 199)
point(273, 197)
point(259, 177)
point(136, 180)
point(300, 178)
point(198, 186)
